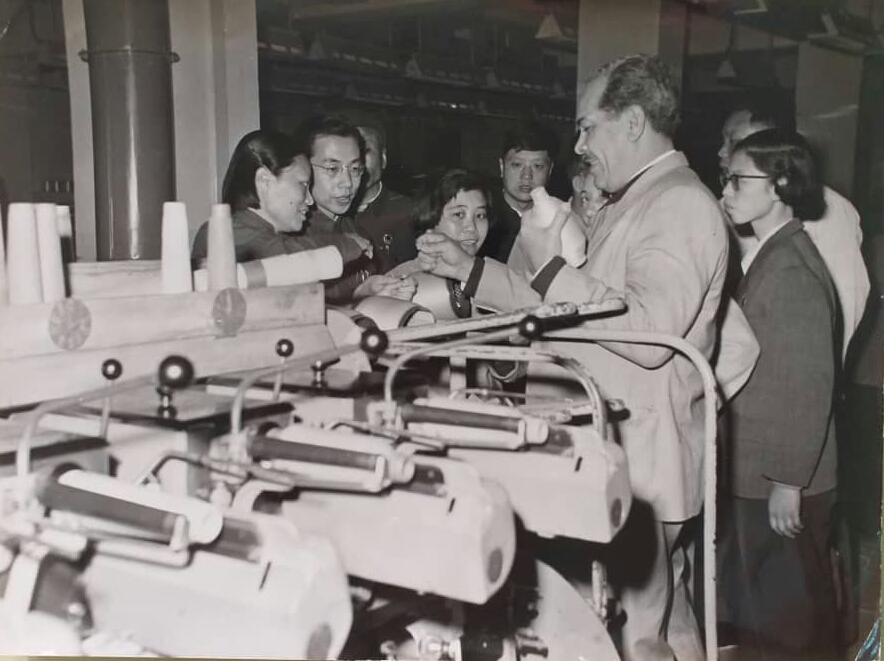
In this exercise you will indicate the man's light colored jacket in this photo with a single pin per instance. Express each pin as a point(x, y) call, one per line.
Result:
point(663, 248)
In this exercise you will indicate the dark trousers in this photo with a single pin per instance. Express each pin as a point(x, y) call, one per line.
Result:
point(779, 593)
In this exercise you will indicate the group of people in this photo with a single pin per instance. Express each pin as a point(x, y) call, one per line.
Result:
point(766, 282)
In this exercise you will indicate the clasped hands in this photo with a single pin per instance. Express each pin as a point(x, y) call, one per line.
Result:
point(387, 285)
point(443, 256)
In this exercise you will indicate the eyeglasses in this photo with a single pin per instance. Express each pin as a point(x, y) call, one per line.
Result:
point(336, 169)
point(734, 179)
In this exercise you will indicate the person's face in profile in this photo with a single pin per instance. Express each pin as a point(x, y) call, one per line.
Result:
point(285, 198)
point(603, 139)
point(749, 193)
point(375, 158)
point(586, 198)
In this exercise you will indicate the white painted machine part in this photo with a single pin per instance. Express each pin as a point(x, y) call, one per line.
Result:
point(464, 537)
point(204, 519)
point(289, 599)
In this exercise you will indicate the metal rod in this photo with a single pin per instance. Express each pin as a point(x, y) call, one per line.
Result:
point(709, 464)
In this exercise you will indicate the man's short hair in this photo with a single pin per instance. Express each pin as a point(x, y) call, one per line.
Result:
point(368, 121)
point(766, 113)
point(318, 125)
point(644, 81)
point(532, 136)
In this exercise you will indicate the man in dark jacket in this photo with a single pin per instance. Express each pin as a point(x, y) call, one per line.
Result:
point(526, 162)
point(337, 155)
point(382, 214)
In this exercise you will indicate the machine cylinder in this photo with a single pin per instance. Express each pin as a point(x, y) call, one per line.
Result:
point(264, 447)
point(130, 80)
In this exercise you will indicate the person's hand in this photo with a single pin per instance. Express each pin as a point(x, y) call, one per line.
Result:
point(440, 255)
point(784, 509)
point(364, 244)
point(540, 244)
point(387, 285)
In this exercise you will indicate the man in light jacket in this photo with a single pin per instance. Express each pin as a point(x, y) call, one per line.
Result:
point(660, 243)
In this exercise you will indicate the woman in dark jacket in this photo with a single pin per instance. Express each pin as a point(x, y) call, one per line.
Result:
point(783, 436)
point(267, 186)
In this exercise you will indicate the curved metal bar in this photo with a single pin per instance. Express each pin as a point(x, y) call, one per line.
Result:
point(709, 391)
point(301, 362)
point(397, 364)
point(32, 419)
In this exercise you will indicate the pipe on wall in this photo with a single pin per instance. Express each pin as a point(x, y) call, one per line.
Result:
point(130, 82)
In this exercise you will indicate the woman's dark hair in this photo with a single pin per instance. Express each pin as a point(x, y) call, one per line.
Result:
point(786, 157)
point(440, 190)
point(268, 149)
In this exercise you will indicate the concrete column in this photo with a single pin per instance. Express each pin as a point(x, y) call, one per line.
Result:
point(81, 130)
point(215, 87)
point(827, 113)
point(130, 81)
point(612, 29)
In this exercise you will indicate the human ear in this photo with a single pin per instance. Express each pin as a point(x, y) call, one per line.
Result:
point(263, 180)
point(635, 122)
point(779, 186)
point(384, 160)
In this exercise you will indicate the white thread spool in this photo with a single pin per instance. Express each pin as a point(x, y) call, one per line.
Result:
point(23, 256)
point(66, 232)
point(573, 238)
point(63, 217)
point(221, 257)
point(49, 245)
point(283, 270)
point(175, 256)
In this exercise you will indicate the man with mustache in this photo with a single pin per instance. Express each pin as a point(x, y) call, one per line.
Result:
point(660, 243)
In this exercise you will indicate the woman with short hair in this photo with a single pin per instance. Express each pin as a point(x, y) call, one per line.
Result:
point(783, 443)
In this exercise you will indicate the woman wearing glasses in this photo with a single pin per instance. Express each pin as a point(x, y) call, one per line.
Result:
point(267, 185)
point(783, 450)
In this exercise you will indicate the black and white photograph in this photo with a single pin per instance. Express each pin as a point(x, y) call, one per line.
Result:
point(442, 330)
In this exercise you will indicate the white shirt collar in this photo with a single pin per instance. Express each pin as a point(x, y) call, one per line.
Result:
point(750, 255)
point(654, 162)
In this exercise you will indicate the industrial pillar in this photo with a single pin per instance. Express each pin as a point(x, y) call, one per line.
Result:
point(130, 81)
point(608, 30)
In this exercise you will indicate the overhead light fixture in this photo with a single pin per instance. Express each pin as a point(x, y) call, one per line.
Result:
point(744, 7)
point(549, 28)
point(726, 72)
point(845, 31)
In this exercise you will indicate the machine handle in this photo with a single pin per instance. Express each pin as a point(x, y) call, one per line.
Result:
point(58, 496)
point(451, 416)
point(265, 447)
point(118, 501)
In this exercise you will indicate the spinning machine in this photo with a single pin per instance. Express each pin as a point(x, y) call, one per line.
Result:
point(244, 473)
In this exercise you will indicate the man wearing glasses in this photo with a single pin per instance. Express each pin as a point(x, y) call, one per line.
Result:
point(337, 156)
